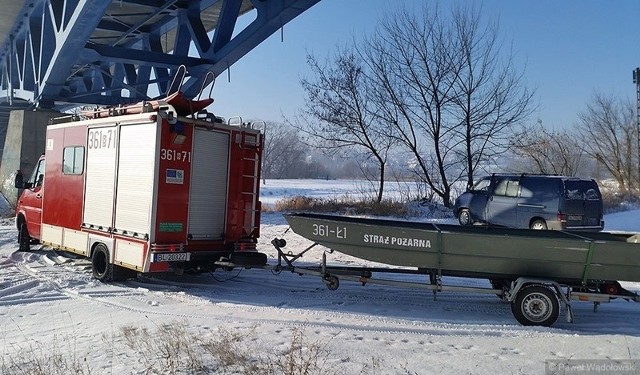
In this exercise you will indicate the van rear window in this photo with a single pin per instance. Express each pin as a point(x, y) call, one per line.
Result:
point(581, 190)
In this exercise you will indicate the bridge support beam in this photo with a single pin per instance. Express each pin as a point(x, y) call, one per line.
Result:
point(24, 143)
point(115, 52)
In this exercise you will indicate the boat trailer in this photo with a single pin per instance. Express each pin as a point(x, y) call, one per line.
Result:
point(534, 301)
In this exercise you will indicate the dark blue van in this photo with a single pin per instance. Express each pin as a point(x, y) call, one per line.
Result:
point(532, 201)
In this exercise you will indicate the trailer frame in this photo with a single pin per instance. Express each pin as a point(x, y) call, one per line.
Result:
point(534, 301)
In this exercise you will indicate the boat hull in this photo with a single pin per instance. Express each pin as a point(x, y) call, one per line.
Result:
point(477, 250)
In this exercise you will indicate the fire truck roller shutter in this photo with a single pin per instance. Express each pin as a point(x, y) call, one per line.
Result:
point(100, 175)
point(136, 185)
point(209, 180)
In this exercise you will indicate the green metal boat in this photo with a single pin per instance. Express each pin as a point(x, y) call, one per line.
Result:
point(572, 258)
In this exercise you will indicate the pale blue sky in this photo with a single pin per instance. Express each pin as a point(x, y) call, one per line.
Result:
point(569, 49)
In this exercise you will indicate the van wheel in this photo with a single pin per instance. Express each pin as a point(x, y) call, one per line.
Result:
point(538, 225)
point(100, 264)
point(464, 217)
point(24, 240)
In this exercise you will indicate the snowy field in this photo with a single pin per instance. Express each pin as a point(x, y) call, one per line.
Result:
point(51, 308)
point(274, 190)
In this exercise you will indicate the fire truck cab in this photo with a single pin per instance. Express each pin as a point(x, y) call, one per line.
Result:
point(154, 187)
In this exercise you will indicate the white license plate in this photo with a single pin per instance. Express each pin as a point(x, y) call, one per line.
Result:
point(172, 257)
point(574, 218)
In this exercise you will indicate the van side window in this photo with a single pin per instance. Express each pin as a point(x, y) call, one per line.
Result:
point(508, 188)
point(512, 188)
point(482, 185)
point(501, 188)
point(73, 160)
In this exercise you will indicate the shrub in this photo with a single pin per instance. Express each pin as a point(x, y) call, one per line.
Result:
point(614, 201)
point(344, 206)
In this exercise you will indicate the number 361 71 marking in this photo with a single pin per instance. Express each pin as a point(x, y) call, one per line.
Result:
point(101, 138)
point(168, 154)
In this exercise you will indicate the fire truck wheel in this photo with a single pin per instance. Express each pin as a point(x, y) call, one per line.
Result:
point(248, 258)
point(24, 240)
point(100, 264)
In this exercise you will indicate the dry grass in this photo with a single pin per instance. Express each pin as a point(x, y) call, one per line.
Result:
point(173, 348)
point(343, 205)
point(35, 358)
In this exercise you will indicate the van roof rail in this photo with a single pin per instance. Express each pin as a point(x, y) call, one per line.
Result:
point(525, 174)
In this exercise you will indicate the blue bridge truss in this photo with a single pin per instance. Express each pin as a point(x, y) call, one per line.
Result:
point(108, 52)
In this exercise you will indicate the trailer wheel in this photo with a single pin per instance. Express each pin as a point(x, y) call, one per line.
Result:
point(464, 217)
point(331, 282)
point(536, 305)
point(100, 264)
point(24, 240)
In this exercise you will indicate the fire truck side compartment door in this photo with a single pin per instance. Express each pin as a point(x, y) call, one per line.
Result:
point(101, 172)
point(136, 178)
point(209, 180)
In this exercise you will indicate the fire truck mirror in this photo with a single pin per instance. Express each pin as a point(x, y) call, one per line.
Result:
point(19, 180)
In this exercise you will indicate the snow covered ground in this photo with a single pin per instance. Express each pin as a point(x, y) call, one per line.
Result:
point(51, 308)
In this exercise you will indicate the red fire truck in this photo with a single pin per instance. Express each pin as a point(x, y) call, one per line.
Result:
point(154, 187)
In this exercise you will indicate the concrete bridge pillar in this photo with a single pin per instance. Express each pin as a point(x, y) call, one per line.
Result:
point(24, 143)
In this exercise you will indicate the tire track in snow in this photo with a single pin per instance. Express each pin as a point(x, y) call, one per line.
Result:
point(41, 276)
point(61, 276)
point(18, 288)
point(330, 319)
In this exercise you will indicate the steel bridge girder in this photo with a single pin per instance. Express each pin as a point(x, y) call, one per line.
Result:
point(89, 51)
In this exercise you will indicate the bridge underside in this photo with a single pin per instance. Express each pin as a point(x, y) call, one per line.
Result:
point(109, 52)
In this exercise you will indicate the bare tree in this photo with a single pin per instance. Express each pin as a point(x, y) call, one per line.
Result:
point(413, 87)
point(283, 151)
point(547, 151)
point(607, 133)
point(336, 99)
point(490, 96)
point(448, 97)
